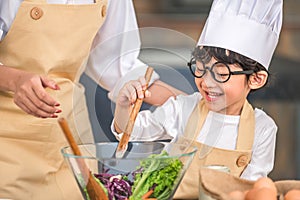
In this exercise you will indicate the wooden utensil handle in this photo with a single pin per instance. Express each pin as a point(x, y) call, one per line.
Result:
point(136, 108)
point(148, 75)
point(82, 166)
point(64, 126)
point(94, 190)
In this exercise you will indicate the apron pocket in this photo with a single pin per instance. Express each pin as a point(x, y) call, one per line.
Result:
point(27, 128)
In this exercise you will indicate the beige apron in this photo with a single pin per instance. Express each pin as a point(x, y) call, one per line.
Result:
point(52, 40)
point(236, 160)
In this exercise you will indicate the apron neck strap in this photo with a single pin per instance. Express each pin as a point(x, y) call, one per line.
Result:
point(246, 128)
point(195, 122)
point(245, 131)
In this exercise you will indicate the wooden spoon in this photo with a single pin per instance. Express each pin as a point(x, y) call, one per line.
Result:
point(94, 190)
point(122, 146)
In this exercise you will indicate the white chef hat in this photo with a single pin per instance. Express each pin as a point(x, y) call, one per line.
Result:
point(247, 27)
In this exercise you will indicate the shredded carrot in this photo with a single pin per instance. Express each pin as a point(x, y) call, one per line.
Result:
point(147, 194)
point(150, 199)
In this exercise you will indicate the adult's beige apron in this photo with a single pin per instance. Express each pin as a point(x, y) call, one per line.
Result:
point(236, 160)
point(52, 40)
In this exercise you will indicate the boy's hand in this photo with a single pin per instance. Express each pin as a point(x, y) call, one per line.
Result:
point(133, 90)
point(132, 93)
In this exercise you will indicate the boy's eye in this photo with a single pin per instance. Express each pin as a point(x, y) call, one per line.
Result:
point(221, 71)
point(221, 77)
point(200, 70)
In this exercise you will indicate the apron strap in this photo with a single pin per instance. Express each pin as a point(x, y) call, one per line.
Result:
point(196, 120)
point(245, 131)
point(246, 128)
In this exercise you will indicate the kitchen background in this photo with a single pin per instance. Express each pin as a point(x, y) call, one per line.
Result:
point(167, 48)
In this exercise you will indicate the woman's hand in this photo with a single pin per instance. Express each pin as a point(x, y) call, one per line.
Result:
point(132, 91)
point(30, 95)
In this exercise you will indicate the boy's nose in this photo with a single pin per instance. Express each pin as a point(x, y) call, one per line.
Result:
point(209, 80)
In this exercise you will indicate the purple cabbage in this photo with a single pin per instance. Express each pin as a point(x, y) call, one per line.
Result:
point(118, 186)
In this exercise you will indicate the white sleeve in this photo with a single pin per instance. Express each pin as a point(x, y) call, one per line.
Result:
point(263, 154)
point(158, 125)
point(116, 48)
point(166, 122)
point(8, 11)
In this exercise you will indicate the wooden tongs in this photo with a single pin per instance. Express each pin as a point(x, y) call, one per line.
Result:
point(94, 190)
point(123, 144)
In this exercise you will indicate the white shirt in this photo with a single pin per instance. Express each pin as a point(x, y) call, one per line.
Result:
point(170, 120)
point(114, 55)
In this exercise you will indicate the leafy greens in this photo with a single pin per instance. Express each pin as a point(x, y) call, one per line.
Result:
point(158, 173)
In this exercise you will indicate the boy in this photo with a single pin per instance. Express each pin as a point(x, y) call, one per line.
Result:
point(231, 60)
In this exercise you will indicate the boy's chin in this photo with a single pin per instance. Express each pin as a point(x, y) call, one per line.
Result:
point(216, 107)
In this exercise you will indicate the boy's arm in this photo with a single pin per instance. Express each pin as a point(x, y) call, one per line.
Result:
point(121, 117)
point(132, 90)
point(161, 92)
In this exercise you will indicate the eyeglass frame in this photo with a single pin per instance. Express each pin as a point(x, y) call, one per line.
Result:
point(210, 69)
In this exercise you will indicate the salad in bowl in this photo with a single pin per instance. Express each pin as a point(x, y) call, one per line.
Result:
point(148, 170)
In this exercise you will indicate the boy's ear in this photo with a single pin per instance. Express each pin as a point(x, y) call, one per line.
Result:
point(258, 80)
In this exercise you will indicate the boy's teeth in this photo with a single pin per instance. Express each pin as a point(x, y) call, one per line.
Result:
point(213, 94)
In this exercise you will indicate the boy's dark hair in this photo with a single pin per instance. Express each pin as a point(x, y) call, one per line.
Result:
point(205, 53)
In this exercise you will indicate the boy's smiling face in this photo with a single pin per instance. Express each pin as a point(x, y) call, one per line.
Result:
point(227, 98)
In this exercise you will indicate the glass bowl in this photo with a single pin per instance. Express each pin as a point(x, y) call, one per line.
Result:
point(147, 170)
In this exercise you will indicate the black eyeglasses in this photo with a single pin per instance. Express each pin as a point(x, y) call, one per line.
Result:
point(219, 71)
